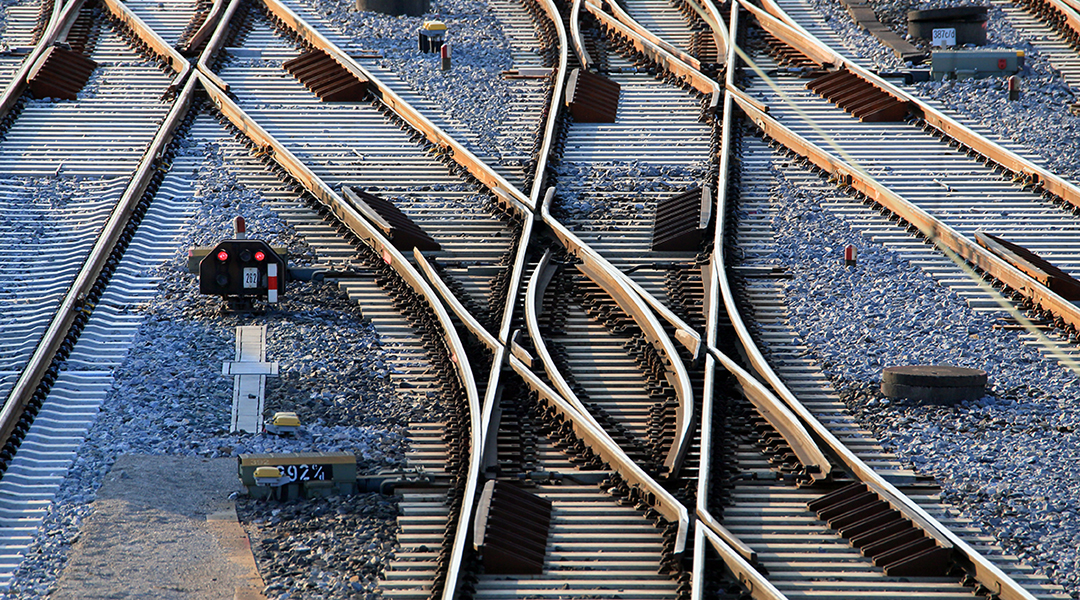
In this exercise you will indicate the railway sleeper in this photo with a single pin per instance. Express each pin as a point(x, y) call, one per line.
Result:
point(881, 533)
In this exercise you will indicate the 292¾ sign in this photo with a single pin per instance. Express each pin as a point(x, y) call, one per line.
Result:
point(305, 472)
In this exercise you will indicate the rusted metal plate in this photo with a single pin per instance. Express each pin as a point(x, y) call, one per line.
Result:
point(681, 221)
point(511, 529)
point(922, 562)
point(327, 79)
point(592, 98)
point(402, 232)
point(60, 73)
point(1038, 268)
point(859, 97)
point(880, 532)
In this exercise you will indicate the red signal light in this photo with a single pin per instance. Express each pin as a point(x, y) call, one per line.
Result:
point(260, 256)
point(222, 255)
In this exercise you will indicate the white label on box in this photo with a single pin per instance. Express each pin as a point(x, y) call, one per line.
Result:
point(251, 277)
point(944, 37)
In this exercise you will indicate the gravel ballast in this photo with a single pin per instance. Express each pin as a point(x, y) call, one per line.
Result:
point(1040, 122)
point(1006, 460)
point(169, 397)
point(471, 96)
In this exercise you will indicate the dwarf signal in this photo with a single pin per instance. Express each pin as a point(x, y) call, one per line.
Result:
point(242, 269)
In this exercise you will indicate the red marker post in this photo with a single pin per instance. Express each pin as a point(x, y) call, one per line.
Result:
point(445, 53)
point(849, 255)
point(1014, 88)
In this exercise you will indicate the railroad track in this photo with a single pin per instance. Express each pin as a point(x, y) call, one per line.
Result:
point(774, 516)
point(941, 176)
point(23, 24)
point(592, 465)
point(62, 195)
point(518, 104)
point(1048, 27)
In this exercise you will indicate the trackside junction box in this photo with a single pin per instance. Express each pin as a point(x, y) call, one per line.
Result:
point(306, 474)
point(977, 64)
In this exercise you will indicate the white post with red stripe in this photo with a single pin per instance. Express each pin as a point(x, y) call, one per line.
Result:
point(849, 255)
point(272, 284)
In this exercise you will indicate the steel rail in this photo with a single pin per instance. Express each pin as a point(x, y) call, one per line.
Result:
point(575, 35)
point(685, 334)
point(153, 41)
point(759, 587)
point(669, 62)
point(517, 276)
point(611, 281)
point(941, 235)
point(792, 34)
point(551, 127)
point(708, 15)
point(610, 452)
point(497, 347)
point(221, 31)
point(77, 299)
point(713, 18)
point(456, 151)
point(625, 18)
point(1043, 179)
point(705, 472)
point(58, 23)
point(534, 299)
point(591, 434)
point(697, 570)
point(768, 406)
point(508, 194)
point(206, 29)
point(893, 496)
point(1024, 169)
point(1071, 10)
point(57, 9)
point(373, 238)
point(777, 413)
point(712, 314)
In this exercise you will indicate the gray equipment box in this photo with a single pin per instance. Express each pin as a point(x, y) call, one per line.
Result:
point(968, 64)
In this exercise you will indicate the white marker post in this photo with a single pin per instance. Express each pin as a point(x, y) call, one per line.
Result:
point(249, 370)
point(272, 283)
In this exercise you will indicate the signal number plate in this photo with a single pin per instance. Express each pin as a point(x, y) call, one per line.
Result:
point(251, 277)
point(305, 472)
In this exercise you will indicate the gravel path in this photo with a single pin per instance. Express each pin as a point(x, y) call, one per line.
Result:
point(155, 533)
